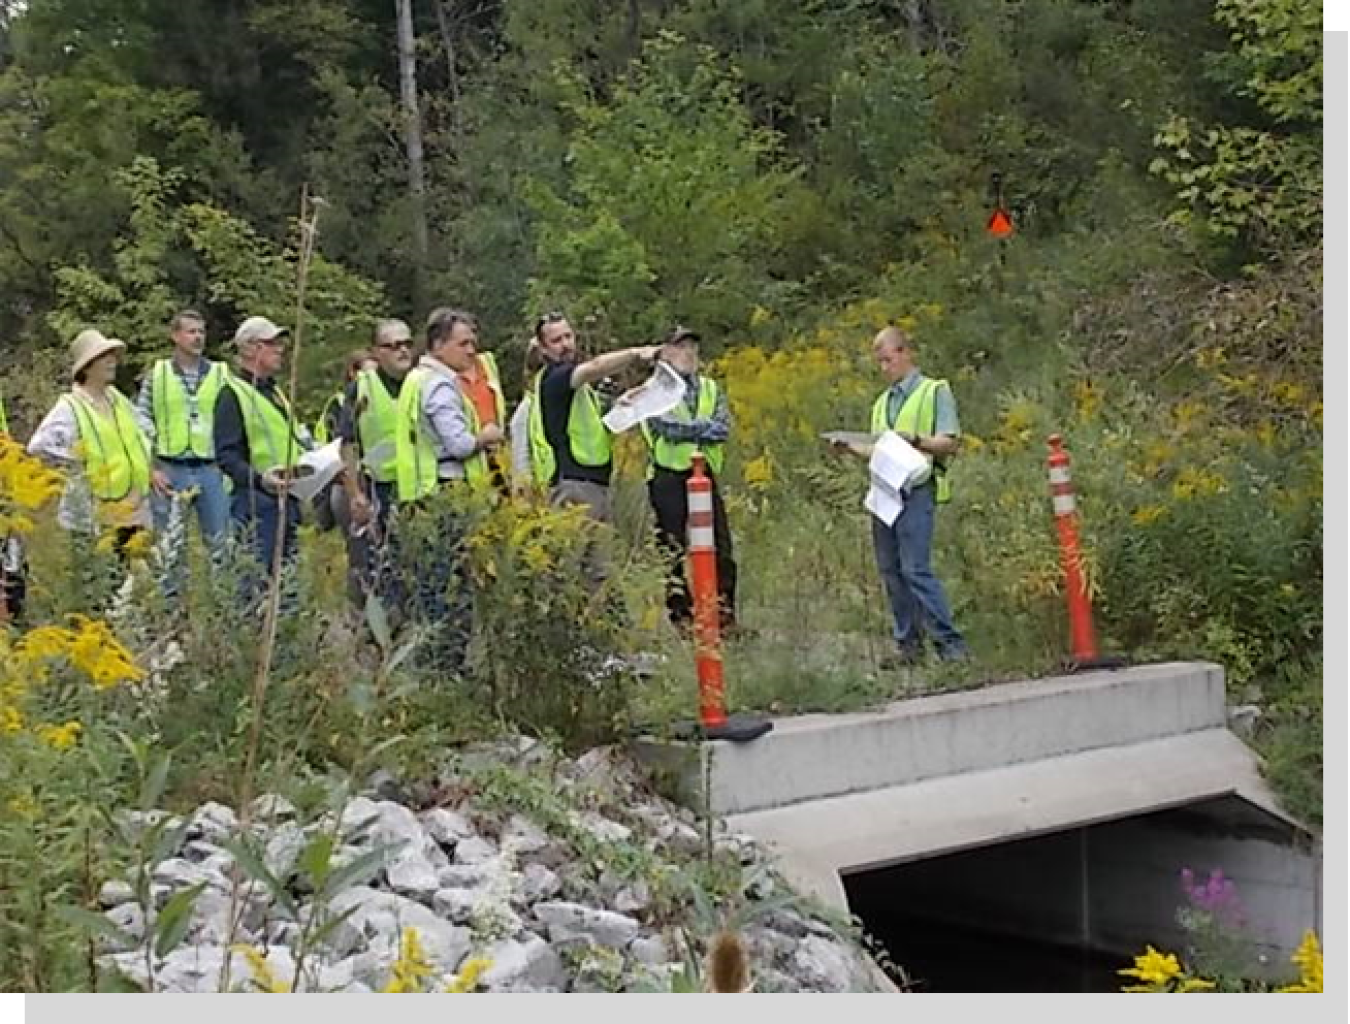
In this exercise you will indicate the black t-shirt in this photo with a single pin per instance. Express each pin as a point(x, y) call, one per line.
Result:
point(555, 403)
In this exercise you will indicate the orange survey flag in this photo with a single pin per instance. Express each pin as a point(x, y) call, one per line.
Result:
point(1000, 223)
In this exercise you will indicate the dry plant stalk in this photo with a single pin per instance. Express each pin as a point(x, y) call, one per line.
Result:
point(728, 964)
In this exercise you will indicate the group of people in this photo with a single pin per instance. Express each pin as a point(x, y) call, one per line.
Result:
point(221, 440)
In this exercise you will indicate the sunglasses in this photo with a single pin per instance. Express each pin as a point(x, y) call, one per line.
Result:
point(390, 346)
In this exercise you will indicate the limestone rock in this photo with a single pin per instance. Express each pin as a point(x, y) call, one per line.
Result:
point(411, 874)
point(447, 827)
point(474, 851)
point(379, 919)
point(822, 965)
point(270, 808)
point(283, 849)
point(519, 966)
point(214, 822)
point(649, 949)
point(115, 892)
point(536, 883)
point(570, 922)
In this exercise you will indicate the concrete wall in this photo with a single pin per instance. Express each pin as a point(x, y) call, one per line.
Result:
point(1116, 887)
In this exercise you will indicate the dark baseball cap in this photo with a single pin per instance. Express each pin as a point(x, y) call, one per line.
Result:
point(679, 334)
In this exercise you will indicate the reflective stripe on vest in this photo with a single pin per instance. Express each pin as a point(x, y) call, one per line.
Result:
point(273, 440)
point(376, 425)
point(918, 415)
point(587, 435)
point(184, 422)
point(116, 457)
point(678, 456)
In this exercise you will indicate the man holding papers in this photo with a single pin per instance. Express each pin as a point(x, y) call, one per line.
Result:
point(915, 418)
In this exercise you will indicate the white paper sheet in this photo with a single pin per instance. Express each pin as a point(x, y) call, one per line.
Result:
point(894, 468)
point(316, 470)
point(663, 391)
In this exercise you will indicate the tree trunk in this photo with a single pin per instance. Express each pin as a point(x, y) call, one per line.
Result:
point(448, 41)
point(412, 135)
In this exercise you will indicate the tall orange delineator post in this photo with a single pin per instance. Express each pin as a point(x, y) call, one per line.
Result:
point(712, 711)
point(1081, 633)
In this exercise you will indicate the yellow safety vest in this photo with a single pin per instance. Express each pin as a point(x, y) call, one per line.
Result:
point(376, 426)
point(587, 435)
point(184, 423)
point(273, 438)
point(321, 434)
point(918, 415)
point(4, 420)
point(678, 456)
point(116, 456)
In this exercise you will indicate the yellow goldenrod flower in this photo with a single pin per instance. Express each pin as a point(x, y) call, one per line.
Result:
point(1146, 514)
point(411, 970)
point(1153, 968)
point(1308, 959)
point(23, 805)
point(100, 655)
point(758, 472)
point(469, 972)
point(60, 737)
point(263, 977)
point(760, 316)
point(11, 721)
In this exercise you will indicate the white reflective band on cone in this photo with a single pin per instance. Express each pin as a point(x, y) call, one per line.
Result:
point(1059, 474)
point(701, 537)
point(1064, 504)
point(700, 501)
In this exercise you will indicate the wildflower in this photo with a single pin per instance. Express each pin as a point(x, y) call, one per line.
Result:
point(1265, 434)
point(1156, 970)
point(1146, 514)
point(44, 642)
point(1308, 959)
point(101, 656)
point(1208, 358)
point(139, 545)
point(758, 472)
point(760, 316)
point(23, 805)
point(25, 481)
point(11, 721)
point(263, 977)
point(412, 968)
point(60, 737)
point(1087, 399)
point(467, 978)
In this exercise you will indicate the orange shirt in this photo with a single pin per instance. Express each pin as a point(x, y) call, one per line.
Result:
point(480, 393)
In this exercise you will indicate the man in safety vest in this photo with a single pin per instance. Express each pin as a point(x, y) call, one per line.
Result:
point(481, 386)
point(570, 447)
point(923, 412)
point(441, 443)
point(367, 426)
point(700, 423)
point(176, 409)
point(259, 441)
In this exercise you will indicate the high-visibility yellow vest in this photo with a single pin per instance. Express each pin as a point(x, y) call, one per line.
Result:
point(376, 425)
point(116, 456)
point(587, 435)
point(918, 415)
point(414, 447)
point(679, 455)
point(273, 435)
point(184, 423)
point(4, 420)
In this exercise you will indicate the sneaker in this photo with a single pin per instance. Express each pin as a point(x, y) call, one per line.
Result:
point(900, 659)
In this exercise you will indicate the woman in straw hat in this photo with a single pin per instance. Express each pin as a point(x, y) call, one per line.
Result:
point(91, 433)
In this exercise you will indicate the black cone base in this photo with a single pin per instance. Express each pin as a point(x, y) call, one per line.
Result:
point(738, 729)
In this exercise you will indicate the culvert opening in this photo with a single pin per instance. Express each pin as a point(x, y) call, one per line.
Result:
point(1063, 912)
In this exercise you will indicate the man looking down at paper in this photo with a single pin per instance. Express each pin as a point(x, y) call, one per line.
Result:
point(922, 411)
point(700, 423)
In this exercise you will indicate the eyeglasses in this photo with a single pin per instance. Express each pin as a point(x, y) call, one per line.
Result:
point(390, 346)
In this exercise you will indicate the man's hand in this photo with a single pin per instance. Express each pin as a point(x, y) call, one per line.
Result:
point(490, 436)
point(273, 481)
point(362, 512)
point(159, 480)
point(646, 353)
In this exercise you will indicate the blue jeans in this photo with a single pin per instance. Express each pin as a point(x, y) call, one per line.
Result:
point(904, 553)
point(255, 516)
point(213, 514)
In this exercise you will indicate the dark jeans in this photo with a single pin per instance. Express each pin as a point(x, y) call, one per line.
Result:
point(256, 515)
point(670, 501)
point(904, 553)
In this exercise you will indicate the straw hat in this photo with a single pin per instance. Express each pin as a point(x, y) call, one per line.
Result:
point(89, 345)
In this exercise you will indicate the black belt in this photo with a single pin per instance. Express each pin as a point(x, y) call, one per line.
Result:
point(185, 460)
